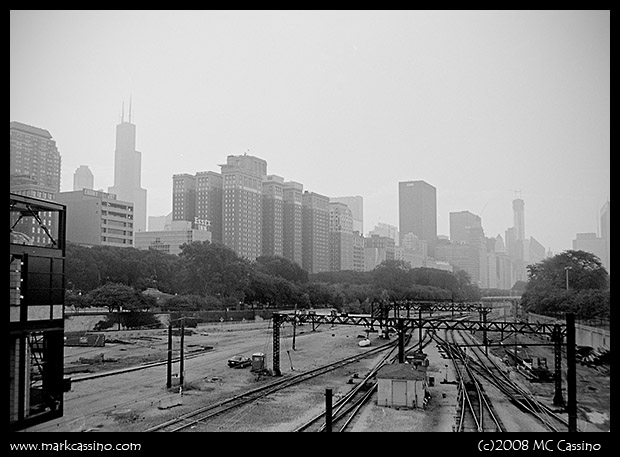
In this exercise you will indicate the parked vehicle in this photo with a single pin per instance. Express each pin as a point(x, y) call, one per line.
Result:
point(239, 361)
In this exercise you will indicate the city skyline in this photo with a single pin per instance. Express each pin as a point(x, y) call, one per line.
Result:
point(479, 104)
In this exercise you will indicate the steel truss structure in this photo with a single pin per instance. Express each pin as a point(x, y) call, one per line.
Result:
point(387, 316)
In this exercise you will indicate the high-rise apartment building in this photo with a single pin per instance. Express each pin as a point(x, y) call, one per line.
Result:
point(417, 211)
point(356, 205)
point(183, 197)
point(34, 167)
point(198, 199)
point(83, 178)
point(292, 216)
point(242, 178)
point(315, 232)
point(96, 218)
point(209, 193)
point(358, 252)
point(340, 237)
point(33, 153)
point(128, 171)
point(273, 217)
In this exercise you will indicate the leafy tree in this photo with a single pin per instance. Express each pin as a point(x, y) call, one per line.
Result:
point(393, 276)
point(284, 268)
point(585, 271)
point(118, 296)
point(588, 285)
point(214, 269)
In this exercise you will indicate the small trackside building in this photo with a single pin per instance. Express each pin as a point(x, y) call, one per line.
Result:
point(402, 385)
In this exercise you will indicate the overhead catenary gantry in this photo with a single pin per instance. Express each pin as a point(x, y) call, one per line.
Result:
point(389, 317)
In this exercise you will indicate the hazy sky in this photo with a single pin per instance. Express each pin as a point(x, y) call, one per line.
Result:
point(477, 103)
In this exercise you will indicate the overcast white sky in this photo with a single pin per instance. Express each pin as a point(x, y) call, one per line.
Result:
point(477, 103)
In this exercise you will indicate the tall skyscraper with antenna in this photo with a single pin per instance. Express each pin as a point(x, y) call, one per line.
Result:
point(128, 169)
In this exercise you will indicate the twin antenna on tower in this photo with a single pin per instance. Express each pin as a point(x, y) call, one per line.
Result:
point(123, 111)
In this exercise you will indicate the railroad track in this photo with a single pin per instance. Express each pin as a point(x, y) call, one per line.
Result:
point(204, 414)
point(480, 365)
point(349, 406)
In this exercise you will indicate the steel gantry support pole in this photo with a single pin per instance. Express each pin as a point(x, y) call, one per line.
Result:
point(420, 329)
point(558, 399)
point(571, 374)
point(276, 345)
point(401, 340)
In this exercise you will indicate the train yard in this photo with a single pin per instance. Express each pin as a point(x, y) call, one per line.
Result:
point(481, 388)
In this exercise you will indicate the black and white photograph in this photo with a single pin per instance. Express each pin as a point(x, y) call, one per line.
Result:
point(309, 221)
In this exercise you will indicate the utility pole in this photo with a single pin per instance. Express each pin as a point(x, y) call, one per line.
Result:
point(181, 358)
point(294, 324)
point(169, 365)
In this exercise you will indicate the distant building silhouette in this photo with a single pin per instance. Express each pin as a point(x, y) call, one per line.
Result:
point(340, 236)
point(356, 205)
point(417, 211)
point(83, 178)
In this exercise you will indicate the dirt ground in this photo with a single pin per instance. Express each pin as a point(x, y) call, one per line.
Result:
point(137, 400)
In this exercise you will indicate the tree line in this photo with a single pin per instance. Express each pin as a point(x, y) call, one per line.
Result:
point(210, 276)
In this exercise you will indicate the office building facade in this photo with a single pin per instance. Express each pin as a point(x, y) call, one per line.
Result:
point(340, 237)
point(96, 218)
point(417, 211)
point(170, 241)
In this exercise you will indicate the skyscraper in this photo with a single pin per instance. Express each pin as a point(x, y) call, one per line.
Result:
point(242, 177)
point(417, 211)
point(209, 202)
point(83, 178)
point(315, 232)
point(340, 236)
point(127, 171)
point(272, 215)
point(183, 197)
point(461, 224)
point(518, 208)
point(33, 153)
point(34, 167)
point(292, 215)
